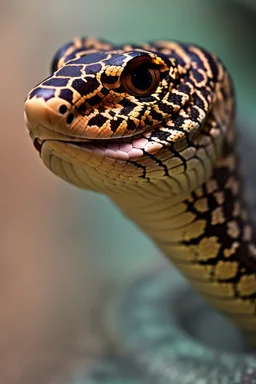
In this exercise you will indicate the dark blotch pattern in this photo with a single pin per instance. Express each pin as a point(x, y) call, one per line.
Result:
point(184, 88)
point(70, 71)
point(83, 109)
point(93, 69)
point(85, 87)
point(108, 79)
point(197, 75)
point(126, 110)
point(66, 94)
point(80, 86)
point(73, 54)
point(175, 99)
point(179, 122)
point(94, 100)
point(199, 102)
point(98, 120)
point(194, 113)
point(147, 99)
point(116, 60)
point(45, 93)
point(90, 58)
point(56, 82)
point(131, 125)
point(165, 107)
point(115, 124)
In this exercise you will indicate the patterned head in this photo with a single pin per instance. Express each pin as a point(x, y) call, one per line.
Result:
point(127, 104)
point(104, 94)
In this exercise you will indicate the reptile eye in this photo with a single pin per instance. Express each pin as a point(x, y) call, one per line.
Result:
point(140, 77)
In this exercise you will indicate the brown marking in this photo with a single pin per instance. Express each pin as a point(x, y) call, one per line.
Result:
point(211, 186)
point(182, 253)
point(233, 229)
point(247, 233)
point(220, 197)
point(226, 270)
point(237, 209)
point(193, 230)
point(201, 205)
point(218, 216)
point(232, 250)
point(208, 248)
point(232, 184)
point(247, 285)
point(196, 271)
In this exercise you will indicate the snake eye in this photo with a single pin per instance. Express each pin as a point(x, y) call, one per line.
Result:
point(140, 77)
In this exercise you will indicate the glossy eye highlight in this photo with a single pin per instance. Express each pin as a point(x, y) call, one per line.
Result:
point(141, 77)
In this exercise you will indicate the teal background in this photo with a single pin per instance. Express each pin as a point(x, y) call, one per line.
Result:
point(68, 253)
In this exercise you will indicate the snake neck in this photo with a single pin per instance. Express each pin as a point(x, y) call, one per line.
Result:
point(208, 236)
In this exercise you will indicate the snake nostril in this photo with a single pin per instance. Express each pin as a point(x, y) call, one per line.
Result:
point(63, 109)
point(70, 118)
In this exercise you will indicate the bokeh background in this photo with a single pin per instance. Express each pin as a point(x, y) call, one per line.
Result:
point(66, 254)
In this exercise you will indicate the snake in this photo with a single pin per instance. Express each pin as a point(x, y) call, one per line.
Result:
point(153, 127)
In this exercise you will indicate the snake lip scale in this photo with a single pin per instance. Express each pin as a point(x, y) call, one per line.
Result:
point(152, 126)
point(97, 142)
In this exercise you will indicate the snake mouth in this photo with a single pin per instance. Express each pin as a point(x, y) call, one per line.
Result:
point(38, 144)
point(123, 149)
point(119, 148)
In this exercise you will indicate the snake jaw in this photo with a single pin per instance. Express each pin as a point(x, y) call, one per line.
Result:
point(38, 144)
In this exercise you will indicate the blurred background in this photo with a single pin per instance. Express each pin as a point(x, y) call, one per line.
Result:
point(65, 253)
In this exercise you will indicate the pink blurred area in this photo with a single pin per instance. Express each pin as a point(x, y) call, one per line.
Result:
point(46, 293)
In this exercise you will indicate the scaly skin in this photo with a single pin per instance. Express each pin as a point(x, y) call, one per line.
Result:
point(166, 157)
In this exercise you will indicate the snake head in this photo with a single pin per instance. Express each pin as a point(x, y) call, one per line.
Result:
point(106, 94)
point(127, 109)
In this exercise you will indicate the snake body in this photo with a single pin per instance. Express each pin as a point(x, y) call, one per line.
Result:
point(153, 128)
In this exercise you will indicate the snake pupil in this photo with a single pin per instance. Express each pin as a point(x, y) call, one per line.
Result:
point(141, 78)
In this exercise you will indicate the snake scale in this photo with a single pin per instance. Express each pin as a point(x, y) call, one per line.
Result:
point(152, 126)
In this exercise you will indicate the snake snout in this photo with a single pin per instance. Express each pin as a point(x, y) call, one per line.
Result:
point(46, 118)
